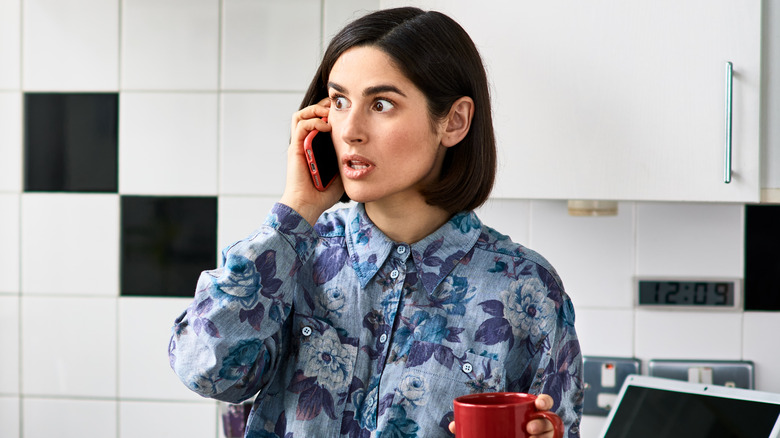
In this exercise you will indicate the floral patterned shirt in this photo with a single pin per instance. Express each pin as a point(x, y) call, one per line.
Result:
point(345, 333)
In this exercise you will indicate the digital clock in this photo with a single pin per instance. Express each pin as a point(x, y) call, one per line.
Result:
point(689, 293)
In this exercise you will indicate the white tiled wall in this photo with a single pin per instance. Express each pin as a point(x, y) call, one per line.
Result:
point(205, 104)
point(161, 132)
point(165, 48)
point(70, 45)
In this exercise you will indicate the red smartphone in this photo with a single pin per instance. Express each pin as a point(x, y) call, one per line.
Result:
point(321, 157)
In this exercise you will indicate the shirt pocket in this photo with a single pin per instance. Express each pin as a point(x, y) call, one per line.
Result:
point(441, 373)
point(324, 367)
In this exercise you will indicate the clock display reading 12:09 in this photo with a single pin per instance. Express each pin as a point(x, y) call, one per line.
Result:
point(686, 293)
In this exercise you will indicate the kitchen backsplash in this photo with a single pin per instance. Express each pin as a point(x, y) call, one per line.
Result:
point(202, 128)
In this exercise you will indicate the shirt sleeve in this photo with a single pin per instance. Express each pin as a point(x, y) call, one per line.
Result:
point(229, 342)
point(559, 372)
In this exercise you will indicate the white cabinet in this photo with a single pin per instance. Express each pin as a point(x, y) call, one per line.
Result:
point(608, 99)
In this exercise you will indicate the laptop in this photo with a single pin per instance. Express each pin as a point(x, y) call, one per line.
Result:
point(656, 407)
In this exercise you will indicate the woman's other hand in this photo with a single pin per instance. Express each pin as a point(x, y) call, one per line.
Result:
point(539, 428)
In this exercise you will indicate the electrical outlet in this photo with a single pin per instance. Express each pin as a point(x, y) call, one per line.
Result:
point(604, 377)
point(738, 374)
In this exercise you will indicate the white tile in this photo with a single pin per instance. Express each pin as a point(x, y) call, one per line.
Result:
point(70, 45)
point(760, 346)
point(593, 255)
point(156, 419)
point(688, 335)
point(70, 244)
point(9, 243)
point(69, 418)
point(338, 14)
point(591, 426)
point(170, 45)
point(10, 44)
point(10, 141)
point(254, 140)
point(69, 346)
point(144, 333)
point(255, 57)
point(605, 332)
point(168, 143)
point(239, 216)
point(9, 345)
point(508, 216)
point(679, 239)
point(9, 417)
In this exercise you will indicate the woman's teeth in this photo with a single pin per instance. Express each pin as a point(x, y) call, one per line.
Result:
point(357, 165)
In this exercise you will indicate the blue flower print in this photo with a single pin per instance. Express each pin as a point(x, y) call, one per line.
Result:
point(202, 384)
point(399, 426)
point(366, 408)
point(200, 323)
point(452, 295)
point(278, 432)
point(272, 220)
point(328, 264)
point(361, 235)
point(484, 378)
point(465, 222)
point(330, 361)
point(421, 327)
point(239, 359)
point(332, 301)
point(366, 267)
point(238, 281)
point(558, 374)
point(412, 390)
point(527, 308)
point(171, 352)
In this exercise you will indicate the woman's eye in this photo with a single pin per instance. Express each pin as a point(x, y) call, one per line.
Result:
point(382, 105)
point(340, 103)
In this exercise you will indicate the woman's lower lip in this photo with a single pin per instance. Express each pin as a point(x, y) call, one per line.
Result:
point(358, 172)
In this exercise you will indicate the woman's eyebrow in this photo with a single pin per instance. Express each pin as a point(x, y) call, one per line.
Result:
point(337, 87)
point(370, 91)
point(380, 89)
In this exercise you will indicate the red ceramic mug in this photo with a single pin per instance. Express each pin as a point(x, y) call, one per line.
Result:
point(499, 415)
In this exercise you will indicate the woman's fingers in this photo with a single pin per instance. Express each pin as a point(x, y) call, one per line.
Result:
point(316, 111)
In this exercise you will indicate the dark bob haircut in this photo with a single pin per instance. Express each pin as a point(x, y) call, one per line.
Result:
point(439, 57)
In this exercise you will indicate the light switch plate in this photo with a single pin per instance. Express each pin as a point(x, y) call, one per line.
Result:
point(604, 377)
point(737, 374)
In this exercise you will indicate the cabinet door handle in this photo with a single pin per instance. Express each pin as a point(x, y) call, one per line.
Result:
point(729, 88)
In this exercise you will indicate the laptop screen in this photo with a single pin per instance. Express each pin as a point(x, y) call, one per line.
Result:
point(692, 411)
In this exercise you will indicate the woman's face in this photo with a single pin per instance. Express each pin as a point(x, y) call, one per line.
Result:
point(386, 144)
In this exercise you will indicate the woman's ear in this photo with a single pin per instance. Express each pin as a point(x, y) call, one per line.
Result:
point(458, 121)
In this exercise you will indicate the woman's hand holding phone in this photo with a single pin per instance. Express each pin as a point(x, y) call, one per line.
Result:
point(300, 194)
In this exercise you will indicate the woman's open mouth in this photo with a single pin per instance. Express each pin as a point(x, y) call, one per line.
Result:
point(356, 167)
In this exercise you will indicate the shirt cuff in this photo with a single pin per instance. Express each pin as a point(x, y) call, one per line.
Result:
point(294, 228)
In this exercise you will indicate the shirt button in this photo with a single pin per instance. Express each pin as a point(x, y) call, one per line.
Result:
point(306, 331)
point(401, 249)
point(467, 368)
point(383, 338)
point(394, 274)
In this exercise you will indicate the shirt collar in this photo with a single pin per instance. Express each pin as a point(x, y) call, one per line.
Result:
point(435, 256)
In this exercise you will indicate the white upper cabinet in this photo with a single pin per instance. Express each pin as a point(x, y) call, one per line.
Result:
point(616, 100)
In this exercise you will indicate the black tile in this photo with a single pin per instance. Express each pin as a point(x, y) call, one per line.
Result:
point(166, 243)
point(762, 257)
point(70, 142)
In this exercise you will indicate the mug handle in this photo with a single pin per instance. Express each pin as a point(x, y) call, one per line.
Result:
point(554, 419)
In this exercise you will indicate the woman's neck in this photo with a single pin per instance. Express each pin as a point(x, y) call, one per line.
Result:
point(408, 221)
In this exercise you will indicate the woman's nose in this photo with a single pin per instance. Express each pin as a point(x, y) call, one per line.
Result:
point(353, 128)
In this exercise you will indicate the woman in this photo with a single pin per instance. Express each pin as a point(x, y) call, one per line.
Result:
point(370, 320)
